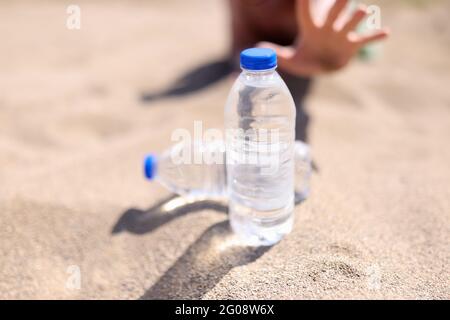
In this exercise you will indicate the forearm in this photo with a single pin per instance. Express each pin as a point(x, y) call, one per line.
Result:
point(242, 35)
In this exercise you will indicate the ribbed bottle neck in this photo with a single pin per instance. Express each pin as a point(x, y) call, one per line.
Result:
point(259, 74)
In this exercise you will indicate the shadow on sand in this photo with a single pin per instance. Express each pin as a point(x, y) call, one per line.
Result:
point(203, 265)
point(194, 80)
point(143, 221)
point(205, 262)
point(204, 76)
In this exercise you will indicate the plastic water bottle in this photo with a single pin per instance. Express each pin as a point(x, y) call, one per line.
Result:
point(260, 134)
point(182, 171)
point(303, 171)
point(208, 179)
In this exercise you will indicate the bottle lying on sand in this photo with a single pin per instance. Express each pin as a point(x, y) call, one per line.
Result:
point(198, 170)
point(195, 170)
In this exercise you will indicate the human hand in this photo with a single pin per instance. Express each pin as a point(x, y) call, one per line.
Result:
point(324, 46)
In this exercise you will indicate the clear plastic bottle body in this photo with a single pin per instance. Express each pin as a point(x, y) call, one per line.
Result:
point(260, 136)
point(208, 180)
point(190, 175)
point(303, 171)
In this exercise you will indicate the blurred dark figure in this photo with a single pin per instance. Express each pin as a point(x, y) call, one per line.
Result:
point(310, 37)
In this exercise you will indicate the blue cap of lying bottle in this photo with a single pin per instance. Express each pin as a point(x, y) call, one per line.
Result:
point(150, 166)
point(258, 59)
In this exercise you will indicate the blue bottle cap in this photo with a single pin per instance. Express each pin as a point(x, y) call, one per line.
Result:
point(150, 162)
point(258, 59)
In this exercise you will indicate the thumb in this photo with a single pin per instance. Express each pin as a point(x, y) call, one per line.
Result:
point(284, 54)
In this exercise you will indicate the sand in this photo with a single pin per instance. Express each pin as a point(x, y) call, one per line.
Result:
point(74, 127)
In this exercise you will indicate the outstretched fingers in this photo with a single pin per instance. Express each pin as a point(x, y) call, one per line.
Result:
point(335, 12)
point(304, 16)
point(283, 53)
point(378, 35)
point(355, 20)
